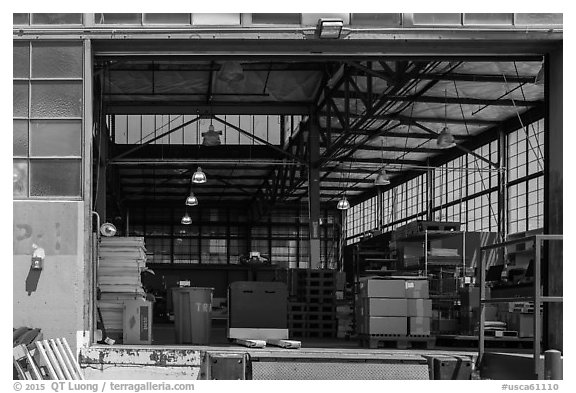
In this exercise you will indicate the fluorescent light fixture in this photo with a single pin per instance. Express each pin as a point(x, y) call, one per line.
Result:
point(199, 177)
point(343, 204)
point(191, 200)
point(329, 28)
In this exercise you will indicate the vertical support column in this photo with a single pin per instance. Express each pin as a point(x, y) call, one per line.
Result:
point(430, 195)
point(553, 202)
point(90, 256)
point(314, 190)
point(502, 187)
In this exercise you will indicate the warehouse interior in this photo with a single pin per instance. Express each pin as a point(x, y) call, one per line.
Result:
point(324, 173)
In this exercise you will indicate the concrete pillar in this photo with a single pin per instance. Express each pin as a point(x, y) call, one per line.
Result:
point(314, 191)
point(553, 201)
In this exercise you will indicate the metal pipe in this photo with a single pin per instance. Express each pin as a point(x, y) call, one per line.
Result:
point(204, 161)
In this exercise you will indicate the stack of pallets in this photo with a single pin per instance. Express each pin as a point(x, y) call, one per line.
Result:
point(312, 309)
point(121, 260)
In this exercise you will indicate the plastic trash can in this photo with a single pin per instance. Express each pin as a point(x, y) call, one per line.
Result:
point(192, 314)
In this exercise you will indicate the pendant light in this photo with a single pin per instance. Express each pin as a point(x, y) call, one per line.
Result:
point(191, 200)
point(199, 177)
point(445, 139)
point(382, 179)
point(211, 137)
point(186, 219)
point(343, 204)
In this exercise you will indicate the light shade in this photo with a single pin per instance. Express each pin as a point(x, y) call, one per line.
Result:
point(382, 179)
point(445, 139)
point(211, 137)
point(199, 176)
point(343, 204)
point(191, 200)
point(107, 229)
point(186, 219)
point(231, 71)
point(329, 28)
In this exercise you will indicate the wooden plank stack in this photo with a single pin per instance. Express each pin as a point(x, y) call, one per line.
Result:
point(121, 260)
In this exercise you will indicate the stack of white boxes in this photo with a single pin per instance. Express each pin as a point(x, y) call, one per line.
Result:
point(121, 260)
point(394, 306)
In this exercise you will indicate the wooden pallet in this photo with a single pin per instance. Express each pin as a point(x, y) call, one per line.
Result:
point(374, 341)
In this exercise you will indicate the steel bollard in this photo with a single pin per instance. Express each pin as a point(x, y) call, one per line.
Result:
point(552, 364)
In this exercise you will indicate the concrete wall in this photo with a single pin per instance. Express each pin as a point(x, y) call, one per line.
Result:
point(51, 299)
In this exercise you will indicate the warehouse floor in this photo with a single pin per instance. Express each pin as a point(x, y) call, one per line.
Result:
point(164, 334)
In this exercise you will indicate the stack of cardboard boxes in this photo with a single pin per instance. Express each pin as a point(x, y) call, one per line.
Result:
point(393, 306)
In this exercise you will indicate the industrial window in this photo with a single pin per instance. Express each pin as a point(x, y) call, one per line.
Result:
point(118, 19)
point(437, 19)
point(47, 127)
point(538, 19)
point(215, 19)
point(275, 19)
point(526, 178)
point(488, 19)
point(21, 19)
point(56, 19)
point(140, 129)
point(166, 19)
point(376, 20)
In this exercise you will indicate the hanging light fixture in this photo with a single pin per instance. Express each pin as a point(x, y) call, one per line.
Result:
point(199, 177)
point(445, 139)
point(191, 200)
point(343, 204)
point(211, 137)
point(231, 71)
point(186, 219)
point(382, 179)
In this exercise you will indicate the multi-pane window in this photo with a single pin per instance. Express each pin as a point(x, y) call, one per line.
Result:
point(466, 189)
point(526, 178)
point(140, 129)
point(47, 119)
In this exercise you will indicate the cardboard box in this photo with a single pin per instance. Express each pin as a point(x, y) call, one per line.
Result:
point(385, 307)
point(387, 325)
point(419, 308)
point(382, 288)
point(417, 289)
point(419, 326)
point(522, 323)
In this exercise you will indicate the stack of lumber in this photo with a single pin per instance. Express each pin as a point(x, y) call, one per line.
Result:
point(121, 260)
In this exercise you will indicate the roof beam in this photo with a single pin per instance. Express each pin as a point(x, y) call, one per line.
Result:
point(448, 100)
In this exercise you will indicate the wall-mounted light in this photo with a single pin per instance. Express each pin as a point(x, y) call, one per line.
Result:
point(191, 200)
point(329, 28)
point(108, 229)
point(199, 177)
